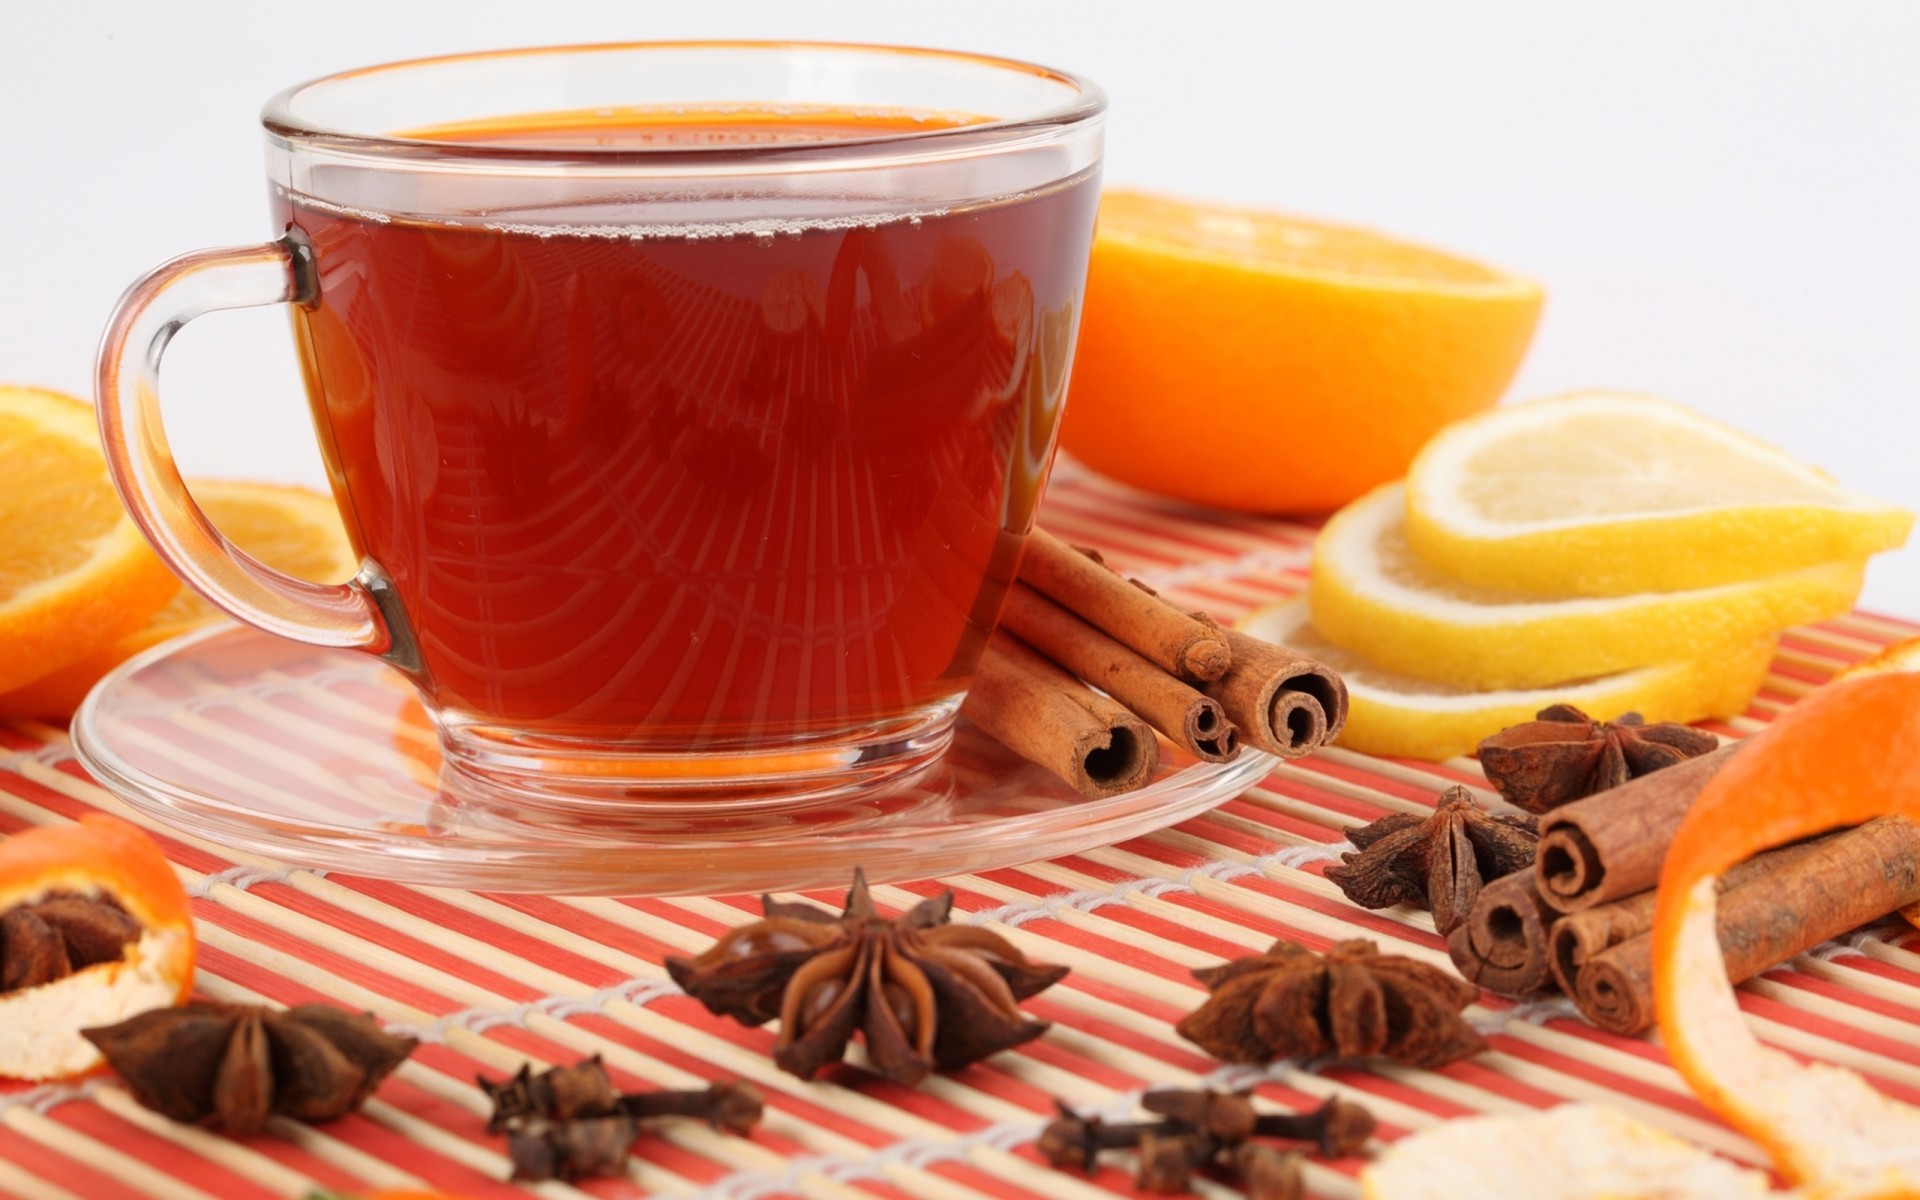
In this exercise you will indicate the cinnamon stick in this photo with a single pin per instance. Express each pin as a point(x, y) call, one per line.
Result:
point(1184, 645)
point(1611, 845)
point(1284, 703)
point(1503, 944)
point(1839, 883)
point(1046, 716)
point(1579, 937)
point(1190, 720)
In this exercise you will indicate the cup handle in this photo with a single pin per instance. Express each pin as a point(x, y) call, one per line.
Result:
point(360, 614)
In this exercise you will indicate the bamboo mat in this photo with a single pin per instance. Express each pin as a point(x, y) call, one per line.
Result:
point(490, 981)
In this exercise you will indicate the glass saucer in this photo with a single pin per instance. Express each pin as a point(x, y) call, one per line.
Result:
point(324, 758)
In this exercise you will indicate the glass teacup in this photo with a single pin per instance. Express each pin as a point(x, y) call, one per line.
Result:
point(688, 404)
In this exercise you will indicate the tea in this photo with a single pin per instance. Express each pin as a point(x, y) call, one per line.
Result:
point(691, 485)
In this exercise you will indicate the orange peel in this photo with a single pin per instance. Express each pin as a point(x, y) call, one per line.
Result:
point(1847, 754)
point(100, 856)
point(1901, 656)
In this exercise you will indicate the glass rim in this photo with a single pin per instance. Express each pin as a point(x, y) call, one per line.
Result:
point(1088, 101)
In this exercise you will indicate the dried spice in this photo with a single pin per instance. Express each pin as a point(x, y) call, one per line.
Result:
point(1438, 863)
point(1565, 755)
point(235, 1065)
point(1205, 1130)
point(922, 993)
point(1337, 1129)
point(556, 1094)
point(59, 934)
point(583, 1148)
point(1268, 1174)
point(586, 1090)
point(94, 926)
point(1351, 1002)
point(571, 1123)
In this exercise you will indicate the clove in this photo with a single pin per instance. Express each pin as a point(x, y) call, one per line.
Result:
point(1074, 1142)
point(1270, 1174)
point(730, 1105)
point(1168, 1159)
point(581, 1148)
point(1338, 1129)
point(557, 1094)
point(570, 1123)
point(1225, 1116)
point(1207, 1129)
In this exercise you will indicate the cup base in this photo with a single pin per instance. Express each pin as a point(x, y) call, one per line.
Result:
point(324, 758)
point(508, 769)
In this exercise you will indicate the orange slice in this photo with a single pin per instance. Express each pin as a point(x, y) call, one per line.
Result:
point(1573, 1152)
point(75, 574)
point(1847, 754)
point(1244, 359)
point(291, 529)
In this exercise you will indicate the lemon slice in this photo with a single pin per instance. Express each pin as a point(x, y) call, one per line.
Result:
point(1371, 594)
point(1603, 494)
point(1395, 714)
point(1573, 1152)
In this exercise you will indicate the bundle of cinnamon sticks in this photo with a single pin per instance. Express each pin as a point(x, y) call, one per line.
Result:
point(1581, 920)
point(1072, 624)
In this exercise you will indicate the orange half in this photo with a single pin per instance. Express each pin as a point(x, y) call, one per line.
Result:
point(1252, 360)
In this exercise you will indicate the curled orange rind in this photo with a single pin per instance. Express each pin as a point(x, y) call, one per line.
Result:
point(1847, 754)
point(1901, 656)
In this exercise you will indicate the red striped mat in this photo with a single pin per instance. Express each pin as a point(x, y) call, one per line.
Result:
point(491, 981)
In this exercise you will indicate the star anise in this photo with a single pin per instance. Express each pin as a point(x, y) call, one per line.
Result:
point(1565, 755)
point(1438, 863)
point(570, 1123)
point(58, 934)
point(235, 1065)
point(921, 992)
point(1351, 1002)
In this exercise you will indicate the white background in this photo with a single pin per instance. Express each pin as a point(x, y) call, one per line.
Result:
point(1722, 199)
